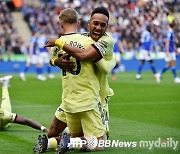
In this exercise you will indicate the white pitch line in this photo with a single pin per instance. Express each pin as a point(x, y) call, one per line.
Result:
point(143, 103)
point(31, 106)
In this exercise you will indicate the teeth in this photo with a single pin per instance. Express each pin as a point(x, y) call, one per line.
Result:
point(97, 33)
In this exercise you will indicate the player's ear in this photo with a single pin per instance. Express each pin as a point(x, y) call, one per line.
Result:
point(79, 23)
point(88, 23)
point(61, 24)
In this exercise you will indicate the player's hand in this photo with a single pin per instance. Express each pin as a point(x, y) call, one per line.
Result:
point(50, 43)
point(64, 64)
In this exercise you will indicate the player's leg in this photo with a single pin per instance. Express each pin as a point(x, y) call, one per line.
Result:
point(75, 128)
point(74, 124)
point(153, 68)
point(174, 72)
point(57, 127)
point(173, 67)
point(38, 62)
point(139, 70)
point(26, 68)
point(49, 71)
point(46, 58)
point(29, 122)
point(6, 104)
point(142, 56)
point(39, 71)
point(43, 142)
point(6, 117)
point(92, 123)
point(167, 66)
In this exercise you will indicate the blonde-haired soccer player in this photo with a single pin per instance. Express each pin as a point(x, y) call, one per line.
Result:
point(6, 115)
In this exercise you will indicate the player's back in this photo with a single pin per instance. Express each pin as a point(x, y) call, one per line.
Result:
point(81, 85)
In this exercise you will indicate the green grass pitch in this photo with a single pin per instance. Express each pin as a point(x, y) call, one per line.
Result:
point(139, 110)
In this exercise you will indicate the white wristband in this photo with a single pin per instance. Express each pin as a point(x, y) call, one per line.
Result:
point(43, 128)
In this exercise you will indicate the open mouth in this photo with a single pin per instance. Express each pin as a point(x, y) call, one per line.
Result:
point(96, 34)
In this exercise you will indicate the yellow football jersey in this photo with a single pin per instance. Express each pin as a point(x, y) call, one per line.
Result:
point(105, 90)
point(105, 46)
point(81, 86)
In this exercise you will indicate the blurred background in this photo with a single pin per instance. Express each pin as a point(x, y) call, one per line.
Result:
point(19, 19)
point(139, 110)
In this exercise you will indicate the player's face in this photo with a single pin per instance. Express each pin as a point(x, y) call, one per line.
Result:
point(97, 26)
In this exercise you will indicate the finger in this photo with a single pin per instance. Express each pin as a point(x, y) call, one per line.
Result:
point(47, 44)
point(68, 63)
point(67, 66)
point(68, 69)
point(65, 56)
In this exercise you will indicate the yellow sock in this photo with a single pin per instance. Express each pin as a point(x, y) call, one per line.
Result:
point(52, 143)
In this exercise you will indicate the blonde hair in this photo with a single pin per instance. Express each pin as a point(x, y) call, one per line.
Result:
point(68, 15)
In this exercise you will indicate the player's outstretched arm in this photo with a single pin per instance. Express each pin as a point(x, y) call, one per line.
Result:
point(105, 66)
point(95, 52)
point(29, 122)
point(89, 54)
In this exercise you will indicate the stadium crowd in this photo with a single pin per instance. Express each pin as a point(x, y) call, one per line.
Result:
point(10, 41)
point(129, 16)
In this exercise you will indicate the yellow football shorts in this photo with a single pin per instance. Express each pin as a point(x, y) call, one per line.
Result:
point(60, 115)
point(6, 118)
point(91, 122)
